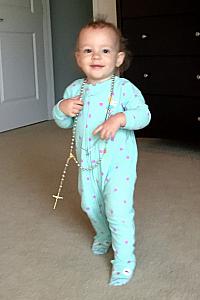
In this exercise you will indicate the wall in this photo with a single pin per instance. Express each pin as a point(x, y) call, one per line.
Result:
point(67, 17)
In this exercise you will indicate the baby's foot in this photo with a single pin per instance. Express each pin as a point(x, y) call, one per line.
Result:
point(121, 275)
point(99, 247)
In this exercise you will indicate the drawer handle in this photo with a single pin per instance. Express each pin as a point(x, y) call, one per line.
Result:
point(198, 76)
point(197, 33)
point(144, 36)
point(146, 75)
point(1, 19)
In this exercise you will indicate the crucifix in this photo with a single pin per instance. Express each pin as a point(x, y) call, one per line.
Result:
point(58, 197)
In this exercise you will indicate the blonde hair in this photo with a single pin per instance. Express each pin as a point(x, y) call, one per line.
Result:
point(102, 23)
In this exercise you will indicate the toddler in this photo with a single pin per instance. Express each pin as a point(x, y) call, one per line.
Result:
point(107, 109)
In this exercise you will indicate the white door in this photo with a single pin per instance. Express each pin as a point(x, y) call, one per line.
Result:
point(23, 87)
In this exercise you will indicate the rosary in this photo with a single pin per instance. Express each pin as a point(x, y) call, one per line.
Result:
point(71, 155)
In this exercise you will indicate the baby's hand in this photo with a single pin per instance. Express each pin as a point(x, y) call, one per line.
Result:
point(108, 129)
point(72, 106)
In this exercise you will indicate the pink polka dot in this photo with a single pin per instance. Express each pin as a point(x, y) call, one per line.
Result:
point(88, 178)
point(126, 242)
point(86, 126)
point(124, 94)
point(102, 151)
point(115, 189)
point(88, 103)
point(102, 173)
point(101, 103)
point(93, 161)
point(89, 116)
point(89, 139)
point(121, 149)
point(127, 178)
point(94, 197)
point(127, 157)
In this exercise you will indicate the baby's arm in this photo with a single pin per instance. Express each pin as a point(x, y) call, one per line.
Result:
point(136, 110)
point(65, 110)
point(108, 129)
point(136, 113)
point(71, 107)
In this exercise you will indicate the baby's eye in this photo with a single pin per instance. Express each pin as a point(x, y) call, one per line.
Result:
point(106, 51)
point(87, 50)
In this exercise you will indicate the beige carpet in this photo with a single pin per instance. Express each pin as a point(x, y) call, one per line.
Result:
point(45, 255)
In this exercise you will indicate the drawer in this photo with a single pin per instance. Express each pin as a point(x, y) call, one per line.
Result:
point(130, 8)
point(166, 75)
point(173, 117)
point(166, 35)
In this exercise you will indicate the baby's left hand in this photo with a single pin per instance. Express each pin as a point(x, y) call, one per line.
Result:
point(108, 129)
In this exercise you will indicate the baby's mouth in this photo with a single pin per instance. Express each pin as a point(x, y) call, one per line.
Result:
point(96, 66)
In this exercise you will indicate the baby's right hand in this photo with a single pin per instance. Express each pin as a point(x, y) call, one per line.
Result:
point(72, 106)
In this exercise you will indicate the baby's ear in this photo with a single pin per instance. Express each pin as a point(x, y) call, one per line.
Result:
point(120, 59)
point(77, 56)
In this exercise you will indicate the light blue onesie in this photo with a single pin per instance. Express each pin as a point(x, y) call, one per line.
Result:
point(107, 191)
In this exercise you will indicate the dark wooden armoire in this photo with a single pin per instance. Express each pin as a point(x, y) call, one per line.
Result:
point(164, 38)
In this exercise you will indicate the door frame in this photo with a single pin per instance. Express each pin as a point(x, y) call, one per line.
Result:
point(105, 8)
point(48, 57)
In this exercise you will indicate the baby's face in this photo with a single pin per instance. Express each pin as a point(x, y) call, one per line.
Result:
point(98, 53)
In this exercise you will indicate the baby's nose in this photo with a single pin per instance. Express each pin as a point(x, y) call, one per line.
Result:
point(96, 54)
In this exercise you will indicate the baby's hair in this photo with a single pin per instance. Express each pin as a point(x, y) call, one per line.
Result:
point(100, 22)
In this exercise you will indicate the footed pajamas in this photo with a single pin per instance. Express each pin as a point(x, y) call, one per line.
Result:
point(107, 190)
